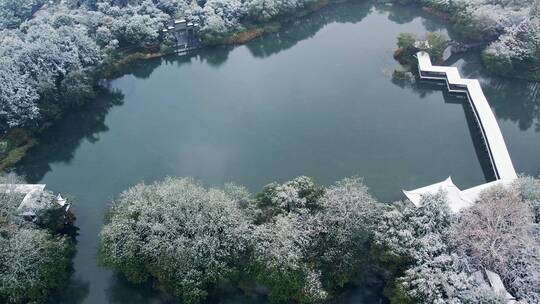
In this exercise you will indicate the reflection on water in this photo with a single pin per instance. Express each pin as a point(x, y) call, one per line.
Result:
point(307, 27)
point(523, 107)
point(516, 104)
point(75, 292)
point(426, 87)
point(512, 100)
point(60, 142)
point(311, 99)
point(120, 289)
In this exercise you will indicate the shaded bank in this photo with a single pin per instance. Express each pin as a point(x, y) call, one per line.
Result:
point(58, 143)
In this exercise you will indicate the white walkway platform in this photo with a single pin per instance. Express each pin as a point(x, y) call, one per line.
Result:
point(496, 147)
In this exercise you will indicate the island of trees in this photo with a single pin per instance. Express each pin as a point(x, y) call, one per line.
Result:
point(53, 54)
point(303, 242)
point(296, 242)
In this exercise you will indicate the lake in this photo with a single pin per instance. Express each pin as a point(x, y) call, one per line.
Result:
point(315, 99)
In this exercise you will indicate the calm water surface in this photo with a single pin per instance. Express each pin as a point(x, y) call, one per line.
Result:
point(316, 99)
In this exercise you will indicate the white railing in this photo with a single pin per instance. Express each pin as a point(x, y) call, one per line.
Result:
point(494, 141)
point(496, 147)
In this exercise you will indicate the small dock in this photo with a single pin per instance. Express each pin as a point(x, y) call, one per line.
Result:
point(499, 157)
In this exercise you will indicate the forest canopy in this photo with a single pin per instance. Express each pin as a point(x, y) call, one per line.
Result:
point(52, 53)
point(299, 239)
point(304, 242)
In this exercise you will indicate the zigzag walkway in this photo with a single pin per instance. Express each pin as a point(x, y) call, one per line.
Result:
point(496, 148)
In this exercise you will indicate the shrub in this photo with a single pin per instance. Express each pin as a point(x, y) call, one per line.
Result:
point(406, 40)
point(437, 44)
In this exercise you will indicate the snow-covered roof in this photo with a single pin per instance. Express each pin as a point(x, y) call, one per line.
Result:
point(30, 201)
point(493, 281)
point(32, 193)
point(21, 188)
point(456, 199)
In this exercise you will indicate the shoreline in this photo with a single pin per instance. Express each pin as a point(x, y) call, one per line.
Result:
point(13, 153)
point(17, 142)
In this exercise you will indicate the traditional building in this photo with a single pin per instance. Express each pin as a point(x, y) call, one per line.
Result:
point(185, 35)
point(34, 199)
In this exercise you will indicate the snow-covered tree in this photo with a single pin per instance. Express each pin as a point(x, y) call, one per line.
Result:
point(18, 98)
point(280, 255)
point(418, 233)
point(529, 189)
point(45, 68)
point(14, 12)
point(297, 195)
point(416, 242)
point(517, 50)
point(493, 228)
point(265, 10)
point(187, 237)
point(299, 240)
point(32, 262)
point(434, 253)
point(283, 238)
point(499, 233)
point(347, 216)
point(312, 240)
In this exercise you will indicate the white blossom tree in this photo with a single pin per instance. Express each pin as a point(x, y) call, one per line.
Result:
point(499, 233)
point(187, 237)
point(435, 253)
point(428, 270)
point(345, 222)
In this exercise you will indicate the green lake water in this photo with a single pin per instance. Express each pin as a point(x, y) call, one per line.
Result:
point(315, 99)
